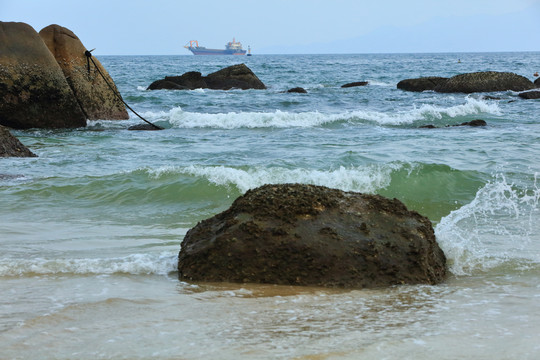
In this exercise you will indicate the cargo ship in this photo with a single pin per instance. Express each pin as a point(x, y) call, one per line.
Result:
point(231, 48)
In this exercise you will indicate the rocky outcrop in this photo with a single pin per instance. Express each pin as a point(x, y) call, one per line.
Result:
point(10, 146)
point(312, 235)
point(236, 76)
point(355, 84)
point(96, 98)
point(537, 82)
point(34, 92)
point(485, 82)
point(298, 90)
point(421, 84)
point(530, 95)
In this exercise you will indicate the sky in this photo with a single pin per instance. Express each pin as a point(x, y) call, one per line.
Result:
point(163, 27)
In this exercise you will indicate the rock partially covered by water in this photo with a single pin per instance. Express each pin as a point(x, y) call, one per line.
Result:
point(421, 84)
point(485, 82)
point(311, 235)
point(10, 146)
point(355, 84)
point(33, 90)
point(298, 90)
point(92, 90)
point(530, 95)
point(236, 76)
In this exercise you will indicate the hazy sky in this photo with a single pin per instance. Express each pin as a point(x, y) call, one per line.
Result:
point(289, 26)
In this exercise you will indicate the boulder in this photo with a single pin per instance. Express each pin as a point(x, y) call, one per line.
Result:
point(10, 146)
point(530, 95)
point(34, 92)
point(298, 90)
point(297, 234)
point(236, 76)
point(355, 84)
point(537, 83)
point(421, 84)
point(485, 82)
point(188, 81)
point(93, 92)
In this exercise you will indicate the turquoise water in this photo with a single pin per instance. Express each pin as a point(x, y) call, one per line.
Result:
point(90, 230)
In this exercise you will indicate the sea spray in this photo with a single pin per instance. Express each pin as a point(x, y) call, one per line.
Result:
point(498, 226)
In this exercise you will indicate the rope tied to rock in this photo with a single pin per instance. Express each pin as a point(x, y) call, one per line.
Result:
point(88, 54)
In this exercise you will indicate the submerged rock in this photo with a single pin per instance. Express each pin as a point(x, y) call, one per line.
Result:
point(144, 126)
point(485, 82)
point(473, 123)
point(311, 235)
point(421, 84)
point(236, 76)
point(34, 92)
point(355, 84)
point(10, 146)
point(298, 90)
point(530, 95)
point(93, 92)
point(476, 122)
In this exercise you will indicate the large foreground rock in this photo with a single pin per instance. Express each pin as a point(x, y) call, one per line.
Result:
point(236, 76)
point(485, 82)
point(95, 97)
point(33, 90)
point(421, 84)
point(312, 235)
point(10, 146)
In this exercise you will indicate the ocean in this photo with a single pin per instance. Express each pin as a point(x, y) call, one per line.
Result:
point(90, 230)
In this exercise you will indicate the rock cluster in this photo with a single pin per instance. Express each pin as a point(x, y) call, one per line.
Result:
point(41, 81)
point(236, 76)
point(312, 235)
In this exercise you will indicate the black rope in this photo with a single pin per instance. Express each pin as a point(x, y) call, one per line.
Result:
point(88, 59)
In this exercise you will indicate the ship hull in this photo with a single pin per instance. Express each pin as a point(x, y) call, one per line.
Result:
point(203, 51)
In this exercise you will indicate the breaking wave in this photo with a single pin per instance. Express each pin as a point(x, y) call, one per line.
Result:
point(178, 118)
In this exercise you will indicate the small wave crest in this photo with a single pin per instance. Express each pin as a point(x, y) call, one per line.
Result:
point(135, 264)
point(499, 226)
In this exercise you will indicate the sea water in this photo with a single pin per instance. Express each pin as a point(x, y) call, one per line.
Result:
point(90, 230)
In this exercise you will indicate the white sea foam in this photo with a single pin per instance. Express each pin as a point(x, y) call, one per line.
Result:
point(283, 119)
point(137, 264)
point(499, 225)
point(363, 179)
